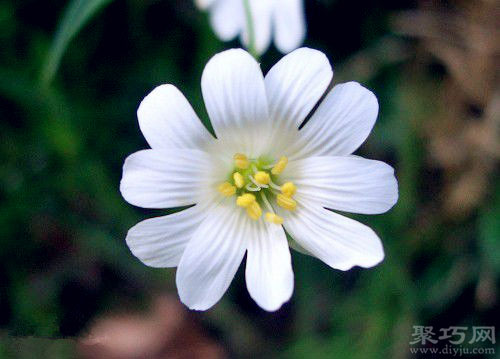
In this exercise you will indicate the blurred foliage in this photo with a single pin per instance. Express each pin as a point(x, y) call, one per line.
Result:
point(75, 17)
point(63, 259)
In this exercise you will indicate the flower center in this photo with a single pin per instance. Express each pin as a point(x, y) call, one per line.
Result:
point(254, 182)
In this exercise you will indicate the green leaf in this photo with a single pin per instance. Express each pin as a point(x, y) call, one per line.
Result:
point(76, 15)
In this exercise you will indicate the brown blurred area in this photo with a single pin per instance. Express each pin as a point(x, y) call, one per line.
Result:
point(166, 331)
point(463, 135)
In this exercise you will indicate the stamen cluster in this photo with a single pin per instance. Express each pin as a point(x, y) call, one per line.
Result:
point(253, 180)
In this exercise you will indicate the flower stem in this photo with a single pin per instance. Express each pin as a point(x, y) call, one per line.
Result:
point(251, 31)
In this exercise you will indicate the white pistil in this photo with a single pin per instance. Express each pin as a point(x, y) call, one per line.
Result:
point(266, 202)
point(275, 192)
point(274, 185)
point(250, 188)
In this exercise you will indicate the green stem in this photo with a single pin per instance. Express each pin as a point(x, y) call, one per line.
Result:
point(251, 31)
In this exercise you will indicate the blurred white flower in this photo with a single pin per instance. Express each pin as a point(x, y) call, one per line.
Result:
point(283, 19)
point(260, 176)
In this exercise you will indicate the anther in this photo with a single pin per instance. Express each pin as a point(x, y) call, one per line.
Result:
point(262, 177)
point(280, 166)
point(245, 200)
point(227, 189)
point(254, 211)
point(288, 189)
point(241, 161)
point(239, 181)
point(274, 218)
point(286, 202)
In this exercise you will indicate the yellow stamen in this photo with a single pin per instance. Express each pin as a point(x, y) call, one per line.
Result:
point(254, 211)
point(262, 177)
point(245, 200)
point(286, 202)
point(288, 189)
point(241, 161)
point(280, 166)
point(253, 177)
point(239, 181)
point(227, 189)
point(274, 218)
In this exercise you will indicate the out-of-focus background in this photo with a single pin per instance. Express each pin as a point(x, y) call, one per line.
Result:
point(71, 77)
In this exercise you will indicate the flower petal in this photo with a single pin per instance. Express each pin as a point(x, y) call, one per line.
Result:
point(227, 18)
point(204, 4)
point(166, 178)
point(261, 11)
point(234, 93)
point(269, 273)
point(159, 242)
point(212, 257)
point(289, 24)
point(167, 120)
point(345, 183)
point(294, 85)
point(341, 123)
point(338, 241)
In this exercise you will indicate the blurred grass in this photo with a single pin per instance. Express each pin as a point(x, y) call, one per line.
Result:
point(63, 259)
point(77, 14)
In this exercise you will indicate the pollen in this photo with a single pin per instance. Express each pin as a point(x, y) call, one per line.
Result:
point(245, 200)
point(241, 161)
point(288, 189)
point(227, 189)
point(285, 202)
point(262, 177)
point(274, 218)
point(239, 181)
point(280, 166)
point(254, 211)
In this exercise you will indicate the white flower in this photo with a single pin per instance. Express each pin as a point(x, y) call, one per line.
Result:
point(284, 18)
point(260, 176)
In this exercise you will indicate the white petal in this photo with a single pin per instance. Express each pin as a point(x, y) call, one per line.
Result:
point(159, 242)
point(261, 12)
point(345, 183)
point(289, 24)
point(234, 93)
point(269, 274)
point(212, 257)
point(167, 120)
point(338, 241)
point(294, 85)
point(227, 18)
point(166, 178)
point(204, 4)
point(341, 123)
